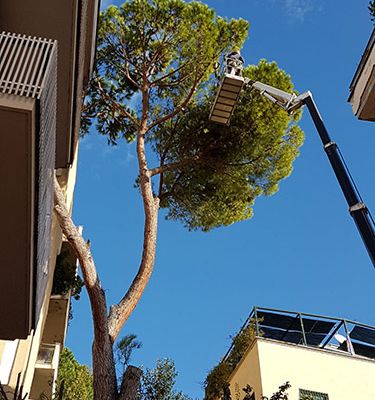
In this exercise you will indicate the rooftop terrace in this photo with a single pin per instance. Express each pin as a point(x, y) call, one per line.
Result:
point(317, 331)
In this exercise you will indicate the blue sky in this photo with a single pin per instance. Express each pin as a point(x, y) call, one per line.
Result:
point(301, 251)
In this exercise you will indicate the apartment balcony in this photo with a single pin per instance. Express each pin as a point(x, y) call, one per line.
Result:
point(27, 158)
point(362, 87)
point(73, 24)
point(57, 319)
point(45, 374)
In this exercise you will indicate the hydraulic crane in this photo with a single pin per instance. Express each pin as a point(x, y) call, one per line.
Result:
point(228, 94)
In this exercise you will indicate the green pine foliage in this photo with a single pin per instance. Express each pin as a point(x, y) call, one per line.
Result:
point(124, 349)
point(77, 378)
point(151, 55)
point(234, 165)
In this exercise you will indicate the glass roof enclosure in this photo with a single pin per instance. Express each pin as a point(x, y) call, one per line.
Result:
point(341, 335)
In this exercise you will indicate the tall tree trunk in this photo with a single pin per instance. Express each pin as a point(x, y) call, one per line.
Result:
point(121, 312)
point(104, 375)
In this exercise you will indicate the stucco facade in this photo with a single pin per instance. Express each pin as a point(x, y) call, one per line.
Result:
point(269, 363)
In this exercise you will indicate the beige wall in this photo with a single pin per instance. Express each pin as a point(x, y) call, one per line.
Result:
point(247, 372)
point(341, 376)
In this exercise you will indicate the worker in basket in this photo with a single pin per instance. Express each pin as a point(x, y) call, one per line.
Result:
point(234, 63)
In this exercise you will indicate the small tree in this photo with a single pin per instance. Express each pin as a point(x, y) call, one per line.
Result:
point(165, 51)
point(123, 352)
point(158, 383)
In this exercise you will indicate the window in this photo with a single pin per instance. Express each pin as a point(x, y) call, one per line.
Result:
point(310, 395)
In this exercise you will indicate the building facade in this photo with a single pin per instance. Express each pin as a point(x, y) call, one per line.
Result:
point(322, 358)
point(47, 53)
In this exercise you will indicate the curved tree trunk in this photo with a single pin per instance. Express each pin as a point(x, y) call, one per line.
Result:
point(121, 312)
point(107, 327)
point(105, 386)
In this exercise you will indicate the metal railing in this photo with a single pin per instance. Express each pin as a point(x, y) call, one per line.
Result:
point(340, 334)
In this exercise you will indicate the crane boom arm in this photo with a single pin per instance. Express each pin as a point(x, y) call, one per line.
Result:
point(357, 209)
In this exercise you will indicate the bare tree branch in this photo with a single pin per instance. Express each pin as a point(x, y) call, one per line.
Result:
point(120, 313)
point(171, 73)
point(130, 383)
point(115, 105)
point(177, 109)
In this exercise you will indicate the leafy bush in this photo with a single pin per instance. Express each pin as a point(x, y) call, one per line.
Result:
point(217, 381)
point(77, 378)
point(65, 278)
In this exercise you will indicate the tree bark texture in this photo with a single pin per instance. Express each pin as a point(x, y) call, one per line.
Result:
point(130, 383)
point(121, 312)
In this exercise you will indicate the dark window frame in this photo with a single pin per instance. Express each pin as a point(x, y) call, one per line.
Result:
point(313, 395)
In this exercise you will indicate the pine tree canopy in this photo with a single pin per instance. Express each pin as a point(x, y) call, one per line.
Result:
point(156, 59)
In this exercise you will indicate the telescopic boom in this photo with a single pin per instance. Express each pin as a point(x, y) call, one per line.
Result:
point(357, 208)
point(223, 107)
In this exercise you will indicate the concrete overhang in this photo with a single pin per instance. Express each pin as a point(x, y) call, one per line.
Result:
point(362, 87)
point(73, 24)
point(17, 174)
point(57, 319)
point(27, 149)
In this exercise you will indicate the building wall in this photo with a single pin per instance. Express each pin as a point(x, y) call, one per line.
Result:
point(247, 372)
point(341, 376)
point(27, 350)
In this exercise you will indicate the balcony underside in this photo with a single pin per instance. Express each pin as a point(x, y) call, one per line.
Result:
point(73, 24)
point(57, 319)
point(17, 171)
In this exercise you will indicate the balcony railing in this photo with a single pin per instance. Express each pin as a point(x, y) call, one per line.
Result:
point(48, 356)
